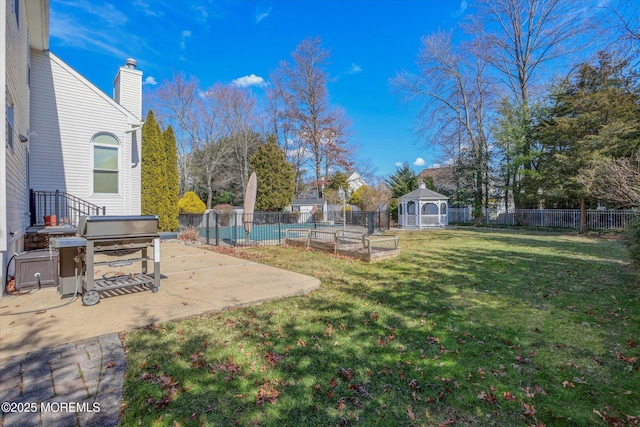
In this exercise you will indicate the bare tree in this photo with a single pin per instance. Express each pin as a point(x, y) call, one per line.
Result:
point(281, 125)
point(209, 140)
point(524, 41)
point(453, 89)
point(242, 124)
point(520, 36)
point(174, 103)
point(627, 25)
point(376, 197)
point(616, 181)
point(301, 90)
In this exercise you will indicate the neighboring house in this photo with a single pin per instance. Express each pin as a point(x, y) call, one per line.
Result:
point(355, 181)
point(308, 205)
point(309, 199)
point(442, 177)
point(61, 131)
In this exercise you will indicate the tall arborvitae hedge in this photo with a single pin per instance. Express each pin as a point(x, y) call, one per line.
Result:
point(154, 182)
point(159, 174)
point(173, 185)
point(276, 177)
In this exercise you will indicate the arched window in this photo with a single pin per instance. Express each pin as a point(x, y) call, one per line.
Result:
point(105, 163)
point(443, 209)
point(411, 208)
point(430, 209)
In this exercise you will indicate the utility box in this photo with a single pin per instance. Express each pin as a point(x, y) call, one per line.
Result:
point(36, 269)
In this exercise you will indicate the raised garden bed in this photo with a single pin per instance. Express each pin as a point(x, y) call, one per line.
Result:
point(347, 243)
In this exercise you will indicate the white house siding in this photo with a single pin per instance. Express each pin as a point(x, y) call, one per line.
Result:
point(67, 111)
point(14, 210)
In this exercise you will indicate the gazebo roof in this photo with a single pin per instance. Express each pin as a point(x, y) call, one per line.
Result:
point(423, 193)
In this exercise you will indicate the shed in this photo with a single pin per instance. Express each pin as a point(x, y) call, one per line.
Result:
point(423, 208)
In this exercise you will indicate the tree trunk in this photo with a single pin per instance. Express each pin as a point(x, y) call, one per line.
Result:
point(583, 216)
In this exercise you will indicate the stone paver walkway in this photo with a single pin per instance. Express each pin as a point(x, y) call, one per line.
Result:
point(77, 384)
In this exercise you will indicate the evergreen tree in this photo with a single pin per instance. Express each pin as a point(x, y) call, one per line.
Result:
point(339, 180)
point(276, 177)
point(153, 178)
point(403, 181)
point(593, 115)
point(173, 181)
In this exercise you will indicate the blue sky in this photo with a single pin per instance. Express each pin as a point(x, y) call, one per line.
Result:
point(237, 41)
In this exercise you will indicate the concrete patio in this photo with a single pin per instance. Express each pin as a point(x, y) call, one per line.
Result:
point(67, 364)
point(195, 281)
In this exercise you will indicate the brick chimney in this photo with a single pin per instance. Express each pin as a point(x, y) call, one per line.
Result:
point(127, 88)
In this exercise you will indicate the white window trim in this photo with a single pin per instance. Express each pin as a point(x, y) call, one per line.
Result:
point(93, 169)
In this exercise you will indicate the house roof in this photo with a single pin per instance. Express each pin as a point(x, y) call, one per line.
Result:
point(423, 194)
point(307, 202)
point(133, 120)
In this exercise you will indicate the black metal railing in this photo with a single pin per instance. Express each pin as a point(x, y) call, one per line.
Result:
point(66, 208)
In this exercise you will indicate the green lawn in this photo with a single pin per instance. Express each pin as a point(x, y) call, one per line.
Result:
point(467, 327)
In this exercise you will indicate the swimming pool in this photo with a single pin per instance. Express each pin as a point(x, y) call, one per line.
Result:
point(275, 233)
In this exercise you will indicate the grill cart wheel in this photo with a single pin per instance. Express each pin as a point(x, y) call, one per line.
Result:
point(91, 297)
point(154, 289)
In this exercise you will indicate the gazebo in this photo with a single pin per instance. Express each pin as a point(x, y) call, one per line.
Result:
point(423, 208)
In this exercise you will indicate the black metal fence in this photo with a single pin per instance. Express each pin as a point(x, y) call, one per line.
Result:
point(269, 228)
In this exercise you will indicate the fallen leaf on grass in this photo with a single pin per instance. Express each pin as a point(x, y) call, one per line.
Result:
point(628, 359)
point(433, 340)
point(507, 396)
point(488, 397)
point(631, 343)
point(609, 419)
point(568, 384)
point(346, 373)
point(410, 413)
point(273, 358)
point(529, 410)
point(267, 394)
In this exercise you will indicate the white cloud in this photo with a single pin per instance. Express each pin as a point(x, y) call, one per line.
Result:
point(150, 80)
point(183, 41)
point(399, 164)
point(462, 8)
point(262, 15)
point(355, 68)
point(250, 80)
point(419, 162)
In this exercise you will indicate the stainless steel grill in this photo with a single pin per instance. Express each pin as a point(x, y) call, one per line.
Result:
point(117, 238)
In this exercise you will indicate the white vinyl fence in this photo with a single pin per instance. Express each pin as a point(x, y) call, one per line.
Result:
point(555, 218)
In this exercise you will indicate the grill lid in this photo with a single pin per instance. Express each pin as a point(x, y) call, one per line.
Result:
point(118, 226)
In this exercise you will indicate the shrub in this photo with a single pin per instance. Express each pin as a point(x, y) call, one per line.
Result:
point(189, 234)
point(294, 216)
point(393, 209)
point(190, 203)
point(633, 239)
